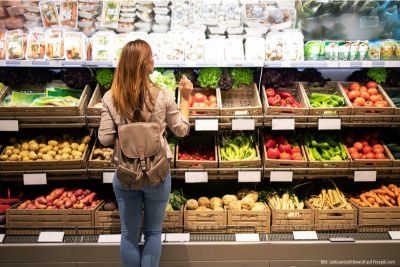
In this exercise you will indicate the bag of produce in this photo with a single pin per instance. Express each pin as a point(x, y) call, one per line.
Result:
point(374, 50)
point(75, 46)
point(49, 13)
point(102, 49)
point(54, 44)
point(387, 49)
point(157, 41)
point(344, 50)
point(36, 46)
point(314, 50)
point(14, 45)
point(194, 45)
point(110, 13)
point(69, 13)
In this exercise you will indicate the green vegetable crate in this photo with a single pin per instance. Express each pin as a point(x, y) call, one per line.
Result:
point(246, 221)
point(93, 110)
point(283, 220)
point(363, 113)
point(394, 96)
point(242, 101)
point(288, 112)
point(196, 221)
point(203, 111)
point(331, 101)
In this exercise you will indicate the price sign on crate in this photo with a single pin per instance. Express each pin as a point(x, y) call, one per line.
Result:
point(281, 176)
point(249, 176)
point(35, 178)
point(243, 124)
point(364, 176)
point(196, 177)
point(206, 125)
point(109, 239)
point(282, 124)
point(9, 126)
point(51, 237)
point(329, 124)
point(108, 177)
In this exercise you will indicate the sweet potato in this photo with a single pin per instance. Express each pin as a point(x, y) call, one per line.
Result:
point(78, 192)
point(41, 200)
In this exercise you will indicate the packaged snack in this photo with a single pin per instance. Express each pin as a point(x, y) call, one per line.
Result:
point(229, 14)
point(180, 14)
point(205, 12)
point(157, 43)
point(110, 13)
point(69, 13)
point(293, 45)
point(234, 49)
point(363, 50)
point(214, 49)
point(374, 50)
point(194, 45)
point(2, 44)
point(274, 46)
point(255, 48)
point(14, 45)
point(397, 50)
point(75, 46)
point(353, 50)
point(387, 49)
point(102, 46)
point(36, 48)
point(49, 13)
point(174, 48)
point(314, 50)
point(344, 50)
point(54, 44)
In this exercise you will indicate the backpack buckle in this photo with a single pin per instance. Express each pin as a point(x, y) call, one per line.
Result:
point(141, 151)
point(143, 164)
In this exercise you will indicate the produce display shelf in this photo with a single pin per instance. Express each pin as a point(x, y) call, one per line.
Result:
point(332, 64)
point(49, 121)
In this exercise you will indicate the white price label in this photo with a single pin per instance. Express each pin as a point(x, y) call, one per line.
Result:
point(286, 64)
point(282, 124)
point(249, 176)
point(243, 124)
point(341, 239)
point(366, 64)
point(392, 64)
point(108, 177)
point(177, 237)
point(247, 237)
point(206, 125)
point(196, 177)
point(364, 176)
point(35, 178)
point(305, 235)
point(329, 124)
point(344, 64)
point(9, 126)
point(2, 237)
point(281, 176)
point(332, 64)
point(55, 63)
point(51, 237)
point(26, 63)
point(109, 239)
point(162, 238)
point(394, 235)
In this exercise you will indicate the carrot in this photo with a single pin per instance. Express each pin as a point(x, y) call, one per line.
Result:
point(376, 205)
point(387, 203)
point(356, 201)
point(379, 191)
point(369, 194)
point(398, 200)
point(377, 199)
point(362, 197)
point(393, 201)
point(388, 192)
point(371, 200)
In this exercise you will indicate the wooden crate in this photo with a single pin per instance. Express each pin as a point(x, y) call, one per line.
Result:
point(279, 163)
point(255, 163)
point(207, 111)
point(242, 101)
point(334, 219)
point(327, 163)
point(396, 113)
point(98, 164)
point(291, 220)
point(396, 162)
point(329, 88)
point(44, 111)
point(45, 164)
point(173, 221)
point(22, 222)
point(378, 219)
point(246, 221)
point(298, 94)
point(91, 110)
point(375, 162)
point(365, 111)
point(205, 221)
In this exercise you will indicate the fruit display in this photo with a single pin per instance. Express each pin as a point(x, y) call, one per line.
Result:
point(282, 148)
point(324, 146)
point(196, 154)
point(62, 199)
point(365, 96)
point(200, 100)
point(322, 100)
point(330, 199)
point(102, 153)
point(41, 148)
point(281, 98)
point(367, 146)
point(384, 196)
point(240, 147)
point(176, 200)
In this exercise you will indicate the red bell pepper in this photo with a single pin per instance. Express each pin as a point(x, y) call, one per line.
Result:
point(289, 100)
point(270, 92)
point(283, 103)
point(285, 94)
point(273, 101)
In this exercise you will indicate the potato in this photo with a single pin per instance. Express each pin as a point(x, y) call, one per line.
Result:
point(77, 157)
point(97, 152)
point(59, 152)
point(10, 147)
point(18, 146)
point(24, 154)
point(81, 148)
point(71, 157)
point(66, 150)
point(192, 204)
point(86, 139)
point(74, 146)
point(33, 147)
point(16, 151)
point(13, 158)
point(65, 156)
point(58, 157)
point(204, 201)
point(65, 144)
point(32, 141)
point(76, 153)
point(33, 155)
point(52, 153)
point(47, 157)
point(25, 146)
point(107, 154)
point(40, 155)
point(52, 142)
point(44, 150)
point(8, 152)
point(26, 159)
point(4, 157)
point(19, 158)
point(56, 148)
point(42, 145)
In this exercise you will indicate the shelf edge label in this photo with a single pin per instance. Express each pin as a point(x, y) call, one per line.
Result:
point(206, 125)
point(281, 176)
point(177, 237)
point(249, 176)
point(247, 237)
point(243, 124)
point(394, 235)
point(364, 176)
point(329, 124)
point(108, 177)
point(196, 177)
point(282, 124)
point(9, 126)
point(305, 235)
point(109, 239)
point(35, 178)
point(51, 237)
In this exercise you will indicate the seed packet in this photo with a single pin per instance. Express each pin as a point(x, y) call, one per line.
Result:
point(49, 13)
point(69, 13)
point(14, 45)
point(36, 49)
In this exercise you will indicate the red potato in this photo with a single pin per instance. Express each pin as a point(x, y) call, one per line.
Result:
point(78, 192)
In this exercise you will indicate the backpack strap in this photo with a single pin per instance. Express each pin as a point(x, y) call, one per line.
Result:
point(149, 106)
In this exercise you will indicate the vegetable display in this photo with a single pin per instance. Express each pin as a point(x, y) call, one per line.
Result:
point(209, 77)
point(280, 147)
point(392, 142)
point(165, 79)
point(384, 196)
point(105, 77)
point(60, 199)
point(324, 146)
point(240, 147)
point(281, 98)
point(176, 200)
point(103, 153)
point(366, 146)
point(395, 97)
point(330, 199)
point(286, 201)
point(241, 76)
point(321, 100)
point(199, 100)
point(367, 96)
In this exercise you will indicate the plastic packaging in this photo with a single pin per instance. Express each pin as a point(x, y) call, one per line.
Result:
point(344, 50)
point(145, 7)
point(229, 14)
point(157, 42)
point(102, 46)
point(54, 44)
point(194, 45)
point(314, 50)
point(353, 50)
point(205, 12)
point(234, 49)
point(160, 28)
point(293, 46)
point(75, 46)
point(280, 19)
point(49, 13)
point(110, 13)
point(256, 15)
point(214, 49)
point(69, 13)
point(363, 48)
point(119, 42)
point(14, 45)
point(36, 49)
point(161, 10)
point(331, 50)
point(255, 48)
point(2, 44)
point(180, 14)
point(387, 49)
point(397, 50)
point(162, 19)
point(374, 50)
point(274, 46)
point(175, 50)
point(216, 30)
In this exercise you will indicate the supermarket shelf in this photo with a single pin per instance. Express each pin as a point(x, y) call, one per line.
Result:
point(49, 121)
point(332, 64)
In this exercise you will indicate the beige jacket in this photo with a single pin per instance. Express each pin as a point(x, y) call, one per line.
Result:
point(165, 112)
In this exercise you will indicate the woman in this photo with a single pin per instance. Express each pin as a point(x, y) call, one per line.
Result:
point(131, 85)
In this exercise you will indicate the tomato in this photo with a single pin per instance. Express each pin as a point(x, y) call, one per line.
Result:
point(213, 105)
point(363, 89)
point(373, 142)
point(358, 145)
point(380, 155)
point(202, 105)
point(354, 86)
point(273, 153)
point(296, 149)
point(196, 105)
point(345, 90)
point(380, 104)
point(355, 155)
point(358, 102)
point(353, 95)
point(352, 149)
point(207, 103)
point(364, 143)
point(198, 97)
point(378, 148)
point(270, 92)
point(363, 156)
point(369, 103)
point(385, 103)
point(285, 148)
point(270, 143)
point(370, 155)
point(380, 97)
point(372, 91)
point(364, 95)
point(374, 98)
point(212, 99)
point(284, 156)
point(367, 149)
point(372, 84)
point(296, 156)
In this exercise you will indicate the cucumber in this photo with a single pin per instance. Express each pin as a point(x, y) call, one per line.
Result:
point(395, 149)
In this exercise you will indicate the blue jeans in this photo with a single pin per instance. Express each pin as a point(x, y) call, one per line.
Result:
point(130, 203)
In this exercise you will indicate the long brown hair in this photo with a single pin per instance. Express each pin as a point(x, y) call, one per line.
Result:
point(131, 78)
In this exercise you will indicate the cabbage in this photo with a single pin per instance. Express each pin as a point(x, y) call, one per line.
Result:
point(165, 80)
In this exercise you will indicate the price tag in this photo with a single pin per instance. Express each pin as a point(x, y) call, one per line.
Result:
point(282, 124)
point(9, 126)
point(344, 64)
point(249, 176)
point(392, 64)
point(51, 237)
point(286, 64)
point(247, 237)
point(364, 176)
point(243, 124)
point(177, 237)
point(206, 125)
point(394, 235)
point(341, 239)
point(281, 176)
point(305, 235)
point(366, 64)
point(108, 177)
point(196, 177)
point(35, 178)
point(26, 63)
point(329, 124)
point(162, 238)
point(2, 237)
point(55, 63)
point(109, 239)
point(332, 64)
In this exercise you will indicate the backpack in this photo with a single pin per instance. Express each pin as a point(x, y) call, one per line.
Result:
point(141, 158)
